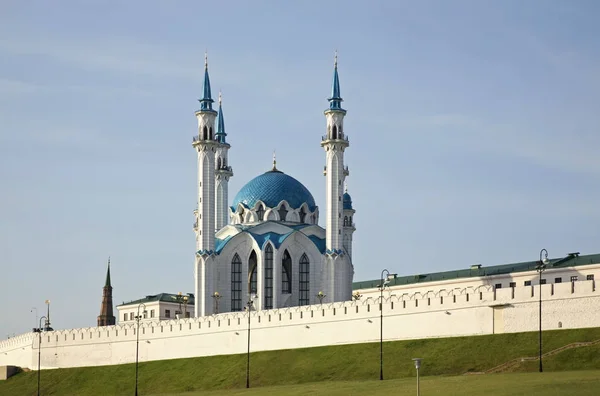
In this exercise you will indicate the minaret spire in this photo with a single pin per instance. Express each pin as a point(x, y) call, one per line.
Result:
point(335, 101)
point(274, 162)
point(220, 135)
point(206, 101)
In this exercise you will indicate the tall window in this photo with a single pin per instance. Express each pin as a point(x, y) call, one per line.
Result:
point(261, 213)
point(252, 270)
point(304, 280)
point(269, 277)
point(236, 283)
point(282, 212)
point(286, 273)
point(302, 215)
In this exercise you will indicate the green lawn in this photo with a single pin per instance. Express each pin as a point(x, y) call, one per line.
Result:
point(335, 368)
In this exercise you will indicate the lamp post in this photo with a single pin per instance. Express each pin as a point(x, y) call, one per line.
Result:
point(356, 296)
point(418, 366)
point(321, 296)
point(185, 302)
point(382, 286)
point(540, 268)
point(249, 309)
point(39, 331)
point(216, 297)
point(48, 328)
point(137, 345)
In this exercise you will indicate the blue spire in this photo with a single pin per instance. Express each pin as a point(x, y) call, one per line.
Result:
point(335, 102)
point(206, 101)
point(220, 136)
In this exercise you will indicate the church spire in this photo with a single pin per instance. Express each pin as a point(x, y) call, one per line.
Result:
point(220, 123)
point(206, 101)
point(335, 101)
point(106, 317)
point(107, 282)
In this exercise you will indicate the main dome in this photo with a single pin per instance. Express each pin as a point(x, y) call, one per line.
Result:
point(271, 188)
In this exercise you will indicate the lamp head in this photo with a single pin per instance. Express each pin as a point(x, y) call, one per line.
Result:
point(417, 362)
point(545, 261)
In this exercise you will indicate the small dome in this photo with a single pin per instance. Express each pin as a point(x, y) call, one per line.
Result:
point(347, 201)
point(271, 188)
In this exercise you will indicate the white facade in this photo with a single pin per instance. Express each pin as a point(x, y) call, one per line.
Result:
point(458, 308)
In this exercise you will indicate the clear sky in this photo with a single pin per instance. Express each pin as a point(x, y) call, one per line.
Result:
point(473, 131)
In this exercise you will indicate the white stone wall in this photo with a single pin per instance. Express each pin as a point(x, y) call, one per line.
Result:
point(406, 316)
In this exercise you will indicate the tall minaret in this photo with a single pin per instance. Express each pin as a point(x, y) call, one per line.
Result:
point(223, 171)
point(349, 227)
point(334, 144)
point(106, 317)
point(206, 147)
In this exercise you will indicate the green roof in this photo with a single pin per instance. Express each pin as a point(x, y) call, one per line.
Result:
point(165, 297)
point(571, 260)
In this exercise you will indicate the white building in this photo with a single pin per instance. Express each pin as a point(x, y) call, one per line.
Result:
point(268, 243)
point(162, 306)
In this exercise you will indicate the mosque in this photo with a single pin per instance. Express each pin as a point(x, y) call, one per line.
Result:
point(268, 243)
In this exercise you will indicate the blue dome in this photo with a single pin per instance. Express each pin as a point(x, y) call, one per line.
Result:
point(347, 201)
point(273, 187)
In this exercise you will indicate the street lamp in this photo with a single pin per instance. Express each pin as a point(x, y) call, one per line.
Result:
point(39, 331)
point(249, 309)
point(356, 296)
point(321, 296)
point(540, 268)
point(418, 366)
point(185, 302)
point(137, 345)
point(48, 328)
point(216, 296)
point(382, 286)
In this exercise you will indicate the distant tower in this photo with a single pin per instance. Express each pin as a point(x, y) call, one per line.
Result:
point(223, 172)
point(106, 317)
point(206, 147)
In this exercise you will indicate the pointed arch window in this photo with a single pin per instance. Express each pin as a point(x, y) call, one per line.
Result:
point(204, 133)
point(269, 277)
point(210, 133)
point(252, 271)
point(302, 215)
point(282, 212)
point(304, 284)
point(286, 273)
point(345, 221)
point(236, 283)
point(334, 132)
point(219, 163)
point(260, 212)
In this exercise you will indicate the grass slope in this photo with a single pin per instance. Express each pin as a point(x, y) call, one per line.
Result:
point(358, 362)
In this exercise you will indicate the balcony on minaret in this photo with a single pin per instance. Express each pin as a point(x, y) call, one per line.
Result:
point(344, 138)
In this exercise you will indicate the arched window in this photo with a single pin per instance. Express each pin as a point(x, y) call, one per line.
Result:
point(236, 283)
point(204, 133)
point(211, 134)
point(260, 213)
point(334, 132)
point(286, 273)
point(304, 284)
point(252, 270)
point(345, 221)
point(302, 215)
point(282, 212)
point(219, 163)
point(268, 277)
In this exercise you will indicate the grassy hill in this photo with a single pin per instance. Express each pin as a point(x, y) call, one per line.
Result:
point(358, 362)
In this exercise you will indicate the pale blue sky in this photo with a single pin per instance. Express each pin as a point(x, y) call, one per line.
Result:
point(473, 128)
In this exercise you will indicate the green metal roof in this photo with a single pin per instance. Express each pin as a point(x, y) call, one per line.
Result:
point(479, 271)
point(165, 297)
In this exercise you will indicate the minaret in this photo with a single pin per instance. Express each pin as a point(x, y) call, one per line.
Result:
point(106, 317)
point(334, 144)
point(222, 171)
point(348, 221)
point(206, 147)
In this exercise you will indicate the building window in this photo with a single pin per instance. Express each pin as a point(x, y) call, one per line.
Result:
point(589, 277)
point(512, 284)
point(131, 316)
point(236, 283)
point(557, 280)
point(302, 214)
point(282, 212)
point(145, 314)
point(574, 278)
point(498, 286)
point(527, 283)
point(286, 273)
point(167, 313)
point(260, 212)
point(269, 277)
point(304, 284)
point(252, 261)
point(542, 281)
point(125, 317)
point(151, 313)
